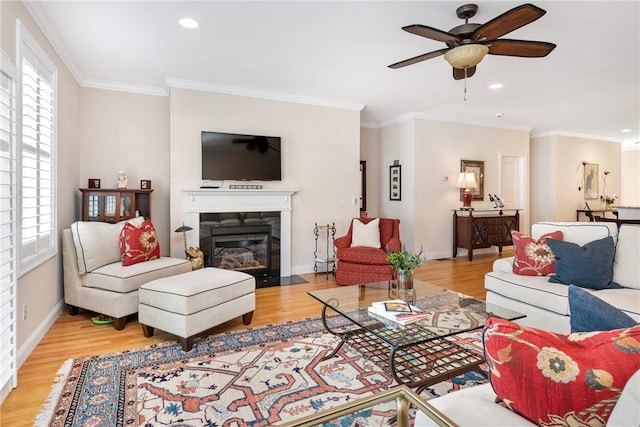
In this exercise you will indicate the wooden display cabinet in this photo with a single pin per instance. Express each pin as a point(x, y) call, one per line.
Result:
point(484, 230)
point(115, 204)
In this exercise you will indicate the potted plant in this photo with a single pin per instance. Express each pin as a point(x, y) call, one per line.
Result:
point(608, 201)
point(404, 262)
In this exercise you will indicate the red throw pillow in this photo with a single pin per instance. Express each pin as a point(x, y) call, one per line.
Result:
point(534, 257)
point(554, 379)
point(138, 244)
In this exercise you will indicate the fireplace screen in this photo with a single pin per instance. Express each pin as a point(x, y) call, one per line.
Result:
point(242, 251)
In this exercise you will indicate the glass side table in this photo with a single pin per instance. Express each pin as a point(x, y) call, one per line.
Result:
point(404, 397)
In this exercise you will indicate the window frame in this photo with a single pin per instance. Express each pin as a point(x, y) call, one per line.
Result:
point(25, 42)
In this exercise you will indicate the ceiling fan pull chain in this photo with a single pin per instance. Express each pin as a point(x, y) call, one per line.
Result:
point(465, 83)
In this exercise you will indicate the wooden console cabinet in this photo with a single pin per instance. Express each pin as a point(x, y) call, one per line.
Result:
point(485, 229)
point(115, 204)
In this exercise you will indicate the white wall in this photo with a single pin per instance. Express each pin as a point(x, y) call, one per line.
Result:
point(320, 153)
point(41, 288)
point(128, 132)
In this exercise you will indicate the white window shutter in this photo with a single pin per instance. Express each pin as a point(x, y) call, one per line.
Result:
point(8, 227)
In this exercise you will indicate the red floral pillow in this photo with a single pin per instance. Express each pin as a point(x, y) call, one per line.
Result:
point(534, 258)
point(138, 244)
point(554, 379)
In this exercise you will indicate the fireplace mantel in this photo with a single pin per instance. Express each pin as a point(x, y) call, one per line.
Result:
point(200, 201)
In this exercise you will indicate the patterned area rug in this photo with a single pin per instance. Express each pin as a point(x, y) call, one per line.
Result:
point(256, 377)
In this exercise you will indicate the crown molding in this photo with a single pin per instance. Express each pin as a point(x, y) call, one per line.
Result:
point(122, 87)
point(38, 14)
point(261, 94)
point(631, 145)
point(575, 135)
point(422, 116)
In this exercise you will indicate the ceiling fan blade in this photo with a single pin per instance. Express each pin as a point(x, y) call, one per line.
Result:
point(522, 48)
point(418, 58)
point(508, 21)
point(432, 33)
point(458, 73)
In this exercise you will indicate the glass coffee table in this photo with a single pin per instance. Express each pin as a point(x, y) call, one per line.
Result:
point(419, 354)
point(404, 398)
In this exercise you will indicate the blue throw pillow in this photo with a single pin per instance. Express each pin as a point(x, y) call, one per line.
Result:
point(588, 266)
point(589, 313)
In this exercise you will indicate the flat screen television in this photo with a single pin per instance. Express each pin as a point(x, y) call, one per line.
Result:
point(228, 156)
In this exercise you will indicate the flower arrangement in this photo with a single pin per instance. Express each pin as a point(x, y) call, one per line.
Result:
point(609, 200)
point(406, 261)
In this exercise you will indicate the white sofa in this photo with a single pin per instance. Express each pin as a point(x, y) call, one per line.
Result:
point(546, 304)
point(96, 280)
point(475, 406)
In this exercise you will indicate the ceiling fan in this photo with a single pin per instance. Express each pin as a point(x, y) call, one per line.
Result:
point(467, 44)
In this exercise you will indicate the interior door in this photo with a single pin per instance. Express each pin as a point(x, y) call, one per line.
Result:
point(513, 186)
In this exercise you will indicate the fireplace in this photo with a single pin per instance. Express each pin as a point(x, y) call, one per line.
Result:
point(231, 208)
point(242, 241)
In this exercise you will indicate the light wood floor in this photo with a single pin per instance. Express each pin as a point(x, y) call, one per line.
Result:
point(75, 336)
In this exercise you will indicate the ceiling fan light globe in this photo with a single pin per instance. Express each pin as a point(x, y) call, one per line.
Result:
point(466, 56)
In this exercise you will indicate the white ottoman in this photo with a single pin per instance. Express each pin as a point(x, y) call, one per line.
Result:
point(189, 303)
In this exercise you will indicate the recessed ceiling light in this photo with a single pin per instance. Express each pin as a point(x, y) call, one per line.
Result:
point(626, 130)
point(189, 23)
point(495, 86)
point(498, 115)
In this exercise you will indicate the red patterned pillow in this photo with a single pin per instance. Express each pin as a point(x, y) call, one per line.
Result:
point(138, 244)
point(554, 379)
point(534, 258)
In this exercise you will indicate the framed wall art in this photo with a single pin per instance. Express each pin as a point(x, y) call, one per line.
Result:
point(591, 181)
point(395, 182)
point(477, 167)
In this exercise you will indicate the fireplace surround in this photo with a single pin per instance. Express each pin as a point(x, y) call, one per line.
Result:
point(228, 204)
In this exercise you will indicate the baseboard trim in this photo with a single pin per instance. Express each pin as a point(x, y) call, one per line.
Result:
point(34, 339)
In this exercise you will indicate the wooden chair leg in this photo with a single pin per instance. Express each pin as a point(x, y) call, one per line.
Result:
point(246, 318)
point(119, 322)
point(73, 310)
point(187, 344)
point(147, 331)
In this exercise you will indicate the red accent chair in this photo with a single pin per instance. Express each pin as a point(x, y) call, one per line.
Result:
point(359, 265)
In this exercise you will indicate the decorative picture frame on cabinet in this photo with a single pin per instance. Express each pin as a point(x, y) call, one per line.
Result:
point(94, 183)
point(591, 177)
point(145, 184)
point(395, 182)
point(477, 167)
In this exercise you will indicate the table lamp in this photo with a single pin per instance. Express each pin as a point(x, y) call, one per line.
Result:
point(466, 180)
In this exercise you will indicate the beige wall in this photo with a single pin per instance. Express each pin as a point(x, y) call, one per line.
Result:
point(128, 132)
point(320, 153)
point(556, 174)
point(397, 142)
point(439, 148)
point(630, 178)
point(370, 152)
point(41, 288)
point(430, 154)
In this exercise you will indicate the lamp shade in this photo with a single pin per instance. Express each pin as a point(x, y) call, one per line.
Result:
point(466, 180)
point(466, 55)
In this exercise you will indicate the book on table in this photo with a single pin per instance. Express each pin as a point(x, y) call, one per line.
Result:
point(397, 311)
